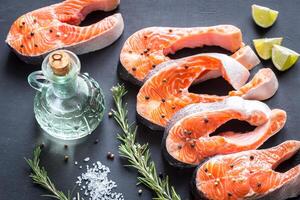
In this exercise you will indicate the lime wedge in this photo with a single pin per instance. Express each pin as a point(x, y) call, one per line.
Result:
point(263, 16)
point(283, 58)
point(264, 46)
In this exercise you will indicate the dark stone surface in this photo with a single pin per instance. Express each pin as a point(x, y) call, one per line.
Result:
point(19, 132)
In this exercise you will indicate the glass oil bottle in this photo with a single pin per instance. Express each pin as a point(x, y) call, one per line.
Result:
point(68, 105)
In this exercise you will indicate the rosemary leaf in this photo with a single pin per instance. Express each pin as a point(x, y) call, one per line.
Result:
point(40, 177)
point(138, 155)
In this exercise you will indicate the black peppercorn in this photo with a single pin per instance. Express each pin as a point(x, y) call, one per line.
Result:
point(110, 156)
point(66, 158)
point(205, 120)
point(161, 175)
point(140, 191)
point(42, 145)
point(187, 132)
point(258, 184)
point(193, 144)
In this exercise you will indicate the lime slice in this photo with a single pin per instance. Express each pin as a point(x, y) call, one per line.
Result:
point(263, 16)
point(264, 46)
point(283, 58)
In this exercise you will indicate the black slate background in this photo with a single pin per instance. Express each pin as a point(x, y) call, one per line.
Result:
point(19, 132)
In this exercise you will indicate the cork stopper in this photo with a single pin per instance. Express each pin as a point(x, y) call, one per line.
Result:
point(59, 62)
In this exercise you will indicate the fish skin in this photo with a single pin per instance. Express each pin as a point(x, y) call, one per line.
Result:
point(37, 33)
point(264, 162)
point(158, 42)
point(263, 86)
point(246, 57)
point(254, 112)
point(195, 192)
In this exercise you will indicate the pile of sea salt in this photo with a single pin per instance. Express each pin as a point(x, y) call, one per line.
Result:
point(96, 185)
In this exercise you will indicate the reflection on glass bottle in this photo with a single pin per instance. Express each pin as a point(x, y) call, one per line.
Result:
point(68, 105)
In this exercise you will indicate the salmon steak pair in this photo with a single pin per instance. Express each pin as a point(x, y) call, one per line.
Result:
point(35, 34)
point(165, 91)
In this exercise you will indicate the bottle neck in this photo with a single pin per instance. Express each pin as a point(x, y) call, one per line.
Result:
point(61, 68)
point(65, 89)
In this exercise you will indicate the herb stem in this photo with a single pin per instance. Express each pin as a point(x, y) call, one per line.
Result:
point(138, 155)
point(39, 176)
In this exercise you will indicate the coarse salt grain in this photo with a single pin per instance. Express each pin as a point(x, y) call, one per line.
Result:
point(95, 183)
point(86, 159)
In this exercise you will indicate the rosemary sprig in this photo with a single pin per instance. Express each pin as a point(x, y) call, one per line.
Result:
point(40, 177)
point(139, 155)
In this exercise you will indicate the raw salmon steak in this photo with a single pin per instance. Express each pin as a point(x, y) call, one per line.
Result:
point(148, 47)
point(249, 175)
point(187, 139)
point(166, 89)
point(35, 34)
